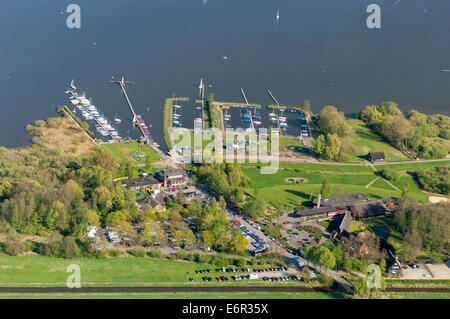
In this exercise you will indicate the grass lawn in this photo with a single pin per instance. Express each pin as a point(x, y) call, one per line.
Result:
point(319, 167)
point(289, 141)
point(364, 140)
point(281, 194)
point(417, 295)
point(44, 271)
point(192, 295)
point(121, 151)
point(412, 165)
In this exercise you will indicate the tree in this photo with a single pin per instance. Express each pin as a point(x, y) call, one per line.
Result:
point(397, 130)
point(326, 190)
point(242, 262)
point(331, 121)
point(361, 287)
point(13, 246)
point(69, 248)
point(148, 163)
point(307, 106)
point(328, 147)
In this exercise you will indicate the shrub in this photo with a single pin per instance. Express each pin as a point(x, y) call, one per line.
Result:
point(13, 246)
point(204, 259)
point(182, 254)
point(253, 261)
point(53, 122)
point(156, 253)
point(138, 252)
point(390, 175)
point(241, 262)
point(101, 254)
point(172, 256)
point(114, 252)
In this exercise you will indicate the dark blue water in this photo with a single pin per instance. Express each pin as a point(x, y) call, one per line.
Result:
point(321, 50)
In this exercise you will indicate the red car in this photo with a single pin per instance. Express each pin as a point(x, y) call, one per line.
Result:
point(301, 241)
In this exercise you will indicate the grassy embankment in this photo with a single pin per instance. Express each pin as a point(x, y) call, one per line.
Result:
point(364, 140)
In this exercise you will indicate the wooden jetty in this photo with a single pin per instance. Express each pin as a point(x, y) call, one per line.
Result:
point(243, 94)
point(273, 97)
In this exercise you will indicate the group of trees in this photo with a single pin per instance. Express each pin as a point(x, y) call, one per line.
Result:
point(436, 179)
point(426, 228)
point(42, 192)
point(333, 143)
point(426, 135)
point(228, 182)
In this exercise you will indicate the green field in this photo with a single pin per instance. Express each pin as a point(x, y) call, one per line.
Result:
point(417, 295)
point(121, 151)
point(281, 194)
point(192, 295)
point(364, 140)
point(120, 272)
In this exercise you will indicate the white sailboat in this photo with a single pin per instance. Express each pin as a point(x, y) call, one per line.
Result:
point(116, 119)
point(72, 85)
point(278, 15)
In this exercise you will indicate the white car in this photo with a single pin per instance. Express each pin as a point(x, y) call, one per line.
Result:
point(427, 275)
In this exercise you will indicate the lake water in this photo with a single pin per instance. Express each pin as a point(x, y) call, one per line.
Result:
point(320, 50)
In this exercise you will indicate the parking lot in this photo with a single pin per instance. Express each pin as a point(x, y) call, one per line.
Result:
point(274, 274)
point(418, 273)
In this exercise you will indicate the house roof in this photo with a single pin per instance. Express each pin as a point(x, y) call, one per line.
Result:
point(377, 155)
point(138, 182)
point(173, 173)
point(333, 208)
point(340, 199)
point(345, 222)
point(153, 201)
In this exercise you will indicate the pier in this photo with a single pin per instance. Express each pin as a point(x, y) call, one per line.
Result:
point(137, 119)
point(243, 94)
point(122, 86)
point(115, 138)
point(273, 97)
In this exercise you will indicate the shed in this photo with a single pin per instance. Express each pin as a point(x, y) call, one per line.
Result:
point(376, 156)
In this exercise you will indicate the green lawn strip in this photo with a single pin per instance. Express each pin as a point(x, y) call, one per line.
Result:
point(319, 167)
point(121, 151)
point(417, 295)
point(364, 140)
point(181, 295)
point(412, 165)
point(289, 141)
point(418, 283)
